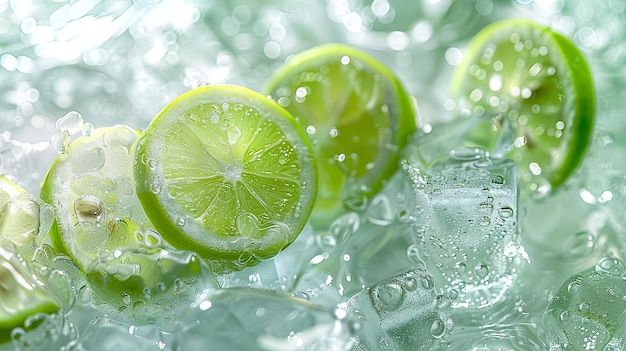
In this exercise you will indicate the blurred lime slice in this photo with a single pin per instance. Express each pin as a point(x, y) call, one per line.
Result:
point(21, 294)
point(533, 89)
point(357, 115)
point(25, 220)
point(91, 188)
point(226, 172)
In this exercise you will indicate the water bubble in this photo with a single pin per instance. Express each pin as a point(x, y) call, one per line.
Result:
point(379, 211)
point(60, 142)
point(71, 123)
point(484, 221)
point(468, 154)
point(387, 296)
point(438, 328)
point(412, 253)
point(611, 265)
point(233, 134)
point(573, 287)
point(505, 212)
point(427, 282)
point(579, 244)
point(481, 270)
point(497, 180)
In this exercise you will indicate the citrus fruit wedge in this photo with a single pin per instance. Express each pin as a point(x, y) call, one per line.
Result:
point(25, 220)
point(21, 294)
point(357, 115)
point(92, 190)
point(533, 87)
point(226, 172)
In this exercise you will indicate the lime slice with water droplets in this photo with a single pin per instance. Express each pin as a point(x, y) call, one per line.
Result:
point(25, 220)
point(226, 172)
point(534, 92)
point(92, 190)
point(21, 294)
point(357, 115)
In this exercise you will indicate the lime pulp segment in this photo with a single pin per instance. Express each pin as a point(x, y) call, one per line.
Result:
point(226, 172)
point(357, 116)
point(536, 90)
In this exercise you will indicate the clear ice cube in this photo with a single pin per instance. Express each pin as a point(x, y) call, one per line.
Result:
point(398, 313)
point(256, 319)
point(588, 312)
point(465, 226)
point(359, 248)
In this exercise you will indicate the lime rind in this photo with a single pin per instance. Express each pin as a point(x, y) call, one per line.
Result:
point(550, 140)
point(345, 98)
point(226, 172)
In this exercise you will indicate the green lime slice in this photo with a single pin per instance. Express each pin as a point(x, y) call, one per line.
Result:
point(92, 190)
point(533, 88)
point(24, 219)
point(226, 172)
point(21, 294)
point(357, 115)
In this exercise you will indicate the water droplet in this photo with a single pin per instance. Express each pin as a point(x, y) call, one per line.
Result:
point(326, 241)
point(71, 123)
point(612, 266)
point(233, 134)
point(573, 287)
point(412, 254)
point(505, 212)
point(583, 306)
point(481, 270)
point(485, 207)
point(438, 329)
point(484, 221)
point(387, 296)
point(60, 142)
point(497, 180)
point(248, 225)
point(379, 211)
point(344, 227)
point(427, 282)
point(579, 244)
point(468, 154)
point(155, 188)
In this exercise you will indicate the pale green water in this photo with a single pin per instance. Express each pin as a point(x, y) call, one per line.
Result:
point(122, 61)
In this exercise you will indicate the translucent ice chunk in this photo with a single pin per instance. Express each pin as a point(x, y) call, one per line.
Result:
point(360, 248)
point(466, 229)
point(398, 313)
point(254, 319)
point(589, 310)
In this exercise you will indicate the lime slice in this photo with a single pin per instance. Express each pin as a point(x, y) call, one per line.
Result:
point(357, 115)
point(91, 188)
point(21, 294)
point(25, 220)
point(226, 172)
point(536, 90)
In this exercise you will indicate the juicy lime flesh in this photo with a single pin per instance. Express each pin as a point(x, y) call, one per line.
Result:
point(536, 87)
point(92, 190)
point(356, 114)
point(227, 173)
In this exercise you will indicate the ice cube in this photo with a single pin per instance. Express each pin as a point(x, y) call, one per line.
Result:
point(465, 226)
point(399, 313)
point(589, 310)
point(359, 248)
point(255, 319)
